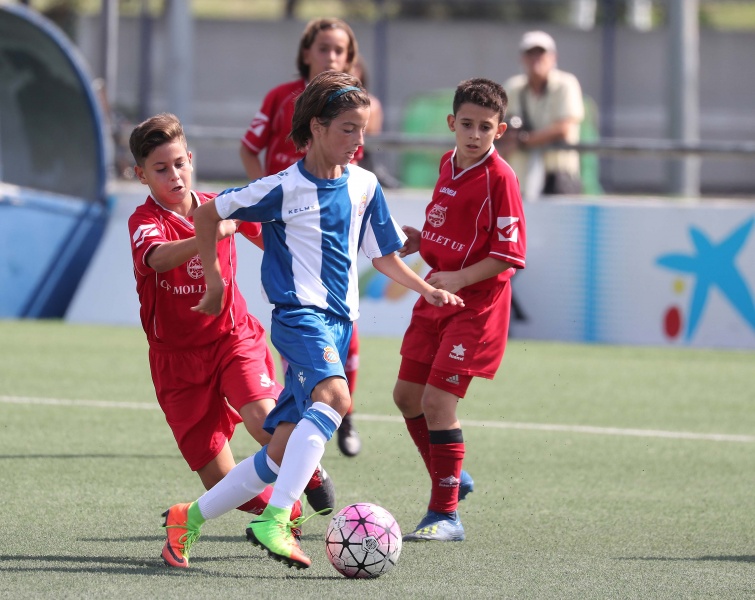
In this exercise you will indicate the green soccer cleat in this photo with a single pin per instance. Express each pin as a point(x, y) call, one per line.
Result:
point(276, 533)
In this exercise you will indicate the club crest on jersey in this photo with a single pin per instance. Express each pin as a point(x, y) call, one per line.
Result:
point(362, 204)
point(508, 229)
point(437, 215)
point(194, 268)
point(330, 355)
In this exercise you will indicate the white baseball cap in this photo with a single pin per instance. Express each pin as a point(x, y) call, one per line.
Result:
point(537, 39)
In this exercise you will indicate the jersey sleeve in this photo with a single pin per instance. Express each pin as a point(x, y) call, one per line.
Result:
point(258, 202)
point(509, 240)
point(381, 234)
point(146, 233)
point(257, 135)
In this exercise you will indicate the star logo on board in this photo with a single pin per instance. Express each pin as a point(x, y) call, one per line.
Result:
point(457, 352)
point(713, 266)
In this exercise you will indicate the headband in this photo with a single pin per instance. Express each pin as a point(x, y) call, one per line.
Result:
point(341, 92)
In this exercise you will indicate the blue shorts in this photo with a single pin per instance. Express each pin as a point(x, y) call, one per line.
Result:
point(315, 344)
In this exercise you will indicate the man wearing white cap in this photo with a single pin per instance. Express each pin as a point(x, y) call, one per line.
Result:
point(545, 108)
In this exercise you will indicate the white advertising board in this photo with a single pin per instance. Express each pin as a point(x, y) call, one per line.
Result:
point(605, 271)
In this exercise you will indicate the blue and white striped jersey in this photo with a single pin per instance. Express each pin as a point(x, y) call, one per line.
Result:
point(312, 229)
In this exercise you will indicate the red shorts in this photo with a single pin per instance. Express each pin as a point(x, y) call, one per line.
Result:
point(468, 340)
point(352, 361)
point(202, 389)
point(423, 374)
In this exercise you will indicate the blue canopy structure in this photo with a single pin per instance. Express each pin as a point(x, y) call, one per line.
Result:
point(53, 203)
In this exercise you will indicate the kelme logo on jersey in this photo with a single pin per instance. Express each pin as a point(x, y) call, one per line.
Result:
point(194, 268)
point(508, 229)
point(437, 215)
point(330, 355)
point(362, 204)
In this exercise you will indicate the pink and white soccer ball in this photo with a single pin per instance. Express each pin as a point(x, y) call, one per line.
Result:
point(363, 540)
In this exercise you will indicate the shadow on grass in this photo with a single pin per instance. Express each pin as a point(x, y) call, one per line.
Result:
point(743, 558)
point(117, 565)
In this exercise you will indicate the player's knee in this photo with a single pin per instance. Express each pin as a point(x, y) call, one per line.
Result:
point(439, 407)
point(333, 391)
point(407, 400)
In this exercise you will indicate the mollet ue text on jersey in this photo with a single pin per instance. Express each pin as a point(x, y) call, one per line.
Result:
point(182, 290)
point(443, 240)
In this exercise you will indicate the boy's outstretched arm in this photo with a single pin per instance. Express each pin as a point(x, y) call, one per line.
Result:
point(170, 255)
point(392, 266)
point(453, 281)
point(206, 221)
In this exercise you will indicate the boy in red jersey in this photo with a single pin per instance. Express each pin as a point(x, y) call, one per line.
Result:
point(209, 373)
point(327, 44)
point(474, 240)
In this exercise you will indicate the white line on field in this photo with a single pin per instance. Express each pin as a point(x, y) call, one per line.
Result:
point(652, 433)
point(62, 402)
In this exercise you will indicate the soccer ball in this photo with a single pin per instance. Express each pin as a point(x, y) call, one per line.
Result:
point(363, 540)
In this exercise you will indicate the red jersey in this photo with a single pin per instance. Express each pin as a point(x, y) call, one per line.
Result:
point(270, 128)
point(166, 298)
point(474, 213)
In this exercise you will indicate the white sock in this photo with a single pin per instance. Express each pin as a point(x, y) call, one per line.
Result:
point(240, 485)
point(303, 452)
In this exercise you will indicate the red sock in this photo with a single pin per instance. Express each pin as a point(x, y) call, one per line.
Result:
point(257, 504)
point(417, 427)
point(351, 368)
point(351, 380)
point(446, 458)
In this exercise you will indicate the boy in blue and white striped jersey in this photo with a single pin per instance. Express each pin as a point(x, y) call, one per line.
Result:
point(316, 215)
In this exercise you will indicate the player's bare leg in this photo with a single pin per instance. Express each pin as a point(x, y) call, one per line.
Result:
point(302, 448)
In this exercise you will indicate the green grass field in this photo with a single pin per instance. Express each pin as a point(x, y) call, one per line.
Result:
point(601, 472)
